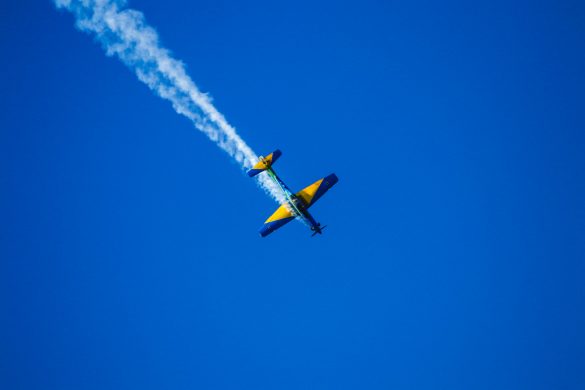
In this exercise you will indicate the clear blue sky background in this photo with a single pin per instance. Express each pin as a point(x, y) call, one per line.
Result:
point(454, 256)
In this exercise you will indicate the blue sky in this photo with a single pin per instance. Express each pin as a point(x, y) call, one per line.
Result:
point(454, 256)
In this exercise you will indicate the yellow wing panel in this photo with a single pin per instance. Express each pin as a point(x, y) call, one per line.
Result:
point(309, 192)
point(280, 213)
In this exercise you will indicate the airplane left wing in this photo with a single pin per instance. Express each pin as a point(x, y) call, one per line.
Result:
point(281, 217)
point(316, 190)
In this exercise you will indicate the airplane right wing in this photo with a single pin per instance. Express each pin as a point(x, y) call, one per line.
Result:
point(281, 217)
point(316, 190)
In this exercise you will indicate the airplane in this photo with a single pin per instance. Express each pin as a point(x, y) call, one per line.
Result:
point(297, 205)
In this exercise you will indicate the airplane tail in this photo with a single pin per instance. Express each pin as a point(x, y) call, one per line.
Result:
point(264, 163)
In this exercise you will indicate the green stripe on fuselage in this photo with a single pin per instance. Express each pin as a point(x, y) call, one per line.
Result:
point(287, 192)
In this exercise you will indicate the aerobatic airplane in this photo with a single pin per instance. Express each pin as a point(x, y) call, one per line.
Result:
point(297, 205)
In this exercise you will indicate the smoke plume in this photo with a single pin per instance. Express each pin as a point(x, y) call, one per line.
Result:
point(125, 34)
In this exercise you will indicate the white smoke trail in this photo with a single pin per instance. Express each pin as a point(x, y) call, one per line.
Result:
point(125, 34)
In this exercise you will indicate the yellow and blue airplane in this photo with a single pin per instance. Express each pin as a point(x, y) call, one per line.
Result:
point(297, 205)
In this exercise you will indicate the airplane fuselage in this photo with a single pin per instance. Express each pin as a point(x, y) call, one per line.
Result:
point(297, 206)
point(294, 205)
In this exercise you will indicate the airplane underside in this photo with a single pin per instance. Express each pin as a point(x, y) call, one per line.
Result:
point(297, 205)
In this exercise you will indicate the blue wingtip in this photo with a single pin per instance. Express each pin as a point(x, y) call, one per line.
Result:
point(332, 178)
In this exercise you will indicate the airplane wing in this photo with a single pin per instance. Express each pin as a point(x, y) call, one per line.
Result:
point(316, 190)
point(281, 217)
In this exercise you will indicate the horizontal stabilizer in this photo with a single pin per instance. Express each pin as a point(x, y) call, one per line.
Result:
point(264, 163)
